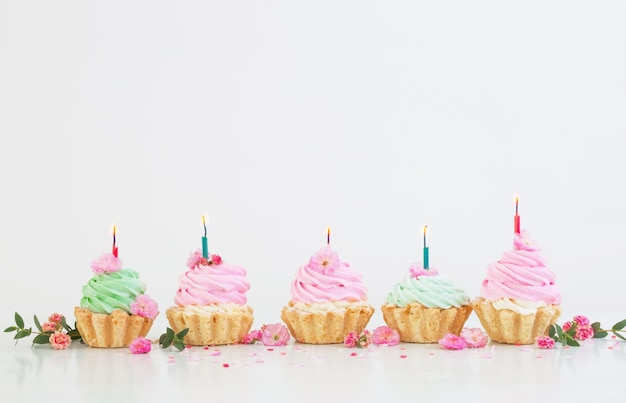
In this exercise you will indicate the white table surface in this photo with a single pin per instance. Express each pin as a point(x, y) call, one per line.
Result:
point(307, 373)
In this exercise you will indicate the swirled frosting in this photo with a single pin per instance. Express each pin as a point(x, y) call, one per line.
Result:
point(521, 274)
point(428, 288)
point(209, 282)
point(326, 278)
point(112, 290)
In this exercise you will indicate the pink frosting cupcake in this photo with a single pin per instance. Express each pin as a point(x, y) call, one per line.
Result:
point(519, 299)
point(328, 300)
point(211, 302)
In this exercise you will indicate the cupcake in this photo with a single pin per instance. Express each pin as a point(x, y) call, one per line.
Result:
point(328, 301)
point(211, 302)
point(114, 309)
point(425, 306)
point(519, 300)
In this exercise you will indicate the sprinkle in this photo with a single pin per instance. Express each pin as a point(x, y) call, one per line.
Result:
point(225, 365)
point(431, 353)
point(614, 337)
point(188, 346)
point(215, 353)
point(206, 347)
point(539, 356)
point(402, 348)
point(259, 361)
point(283, 352)
point(270, 349)
point(403, 356)
point(353, 354)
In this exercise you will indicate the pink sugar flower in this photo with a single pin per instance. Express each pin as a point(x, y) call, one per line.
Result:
point(351, 340)
point(252, 337)
point(385, 335)
point(364, 339)
point(474, 337)
point(106, 263)
point(545, 342)
point(140, 346)
point(583, 332)
point(60, 340)
point(216, 259)
point(581, 320)
point(324, 260)
point(49, 326)
point(523, 241)
point(453, 342)
point(55, 318)
point(275, 335)
point(144, 306)
point(417, 270)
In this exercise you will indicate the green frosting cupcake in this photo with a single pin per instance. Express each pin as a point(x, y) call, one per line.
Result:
point(431, 291)
point(112, 290)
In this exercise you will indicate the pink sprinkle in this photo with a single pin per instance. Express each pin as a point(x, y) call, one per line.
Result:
point(283, 352)
point(260, 361)
point(402, 348)
point(206, 347)
point(487, 357)
point(403, 356)
point(566, 347)
point(215, 353)
point(225, 365)
point(614, 337)
point(431, 353)
point(353, 354)
point(188, 346)
point(539, 356)
point(297, 348)
point(270, 349)
point(610, 347)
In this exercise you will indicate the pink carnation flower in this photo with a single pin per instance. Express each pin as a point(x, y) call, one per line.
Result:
point(417, 269)
point(351, 340)
point(453, 342)
point(583, 332)
point(581, 320)
point(324, 260)
point(474, 337)
point(252, 337)
point(385, 335)
point(55, 317)
point(523, 241)
point(60, 340)
point(216, 259)
point(140, 345)
point(196, 259)
point(364, 339)
point(567, 326)
point(545, 342)
point(49, 327)
point(274, 335)
point(144, 306)
point(106, 263)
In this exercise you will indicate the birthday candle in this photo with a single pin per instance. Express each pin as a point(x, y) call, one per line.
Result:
point(425, 249)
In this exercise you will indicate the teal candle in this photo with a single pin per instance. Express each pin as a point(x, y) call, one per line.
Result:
point(425, 249)
point(205, 242)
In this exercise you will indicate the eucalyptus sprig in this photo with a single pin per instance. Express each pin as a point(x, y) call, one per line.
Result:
point(43, 335)
point(176, 339)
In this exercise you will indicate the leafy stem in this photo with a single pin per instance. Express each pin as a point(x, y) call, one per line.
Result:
point(176, 339)
point(42, 336)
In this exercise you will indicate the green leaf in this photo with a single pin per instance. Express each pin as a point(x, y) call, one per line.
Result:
point(600, 334)
point(179, 345)
point(170, 332)
point(42, 339)
point(595, 326)
point(37, 323)
point(64, 324)
point(559, 331)
point(183, 333)
point(619, 325)
point(22, 333)
point(619, 335)
point(166, 341)
point(552, 331)
point(572, 342)
point(572, 330)
point(19, 321)
point(10, 329)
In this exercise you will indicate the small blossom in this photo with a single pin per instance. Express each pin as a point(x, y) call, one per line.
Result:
point(55, 318)
point(523, 241)
point(140, 346)
point(351, 340)
point(453, 342)
point(364, 339)
point(583, 332)
point(581, 320)
point(60, 340)
point(216, 259)
point(324, 260)
point(275, 335)
point(49, 327)
point(545, 342)
point(252, 337)
point(417, 270)
point(385, 335)
point(144, 306)
point(107, 263)
point(474, 337)
point(196, 259)
point(567, 326)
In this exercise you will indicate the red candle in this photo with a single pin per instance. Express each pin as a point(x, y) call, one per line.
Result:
point(516, 218)
point(114, 251)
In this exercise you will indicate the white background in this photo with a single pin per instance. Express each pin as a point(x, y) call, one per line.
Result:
point(280, 118)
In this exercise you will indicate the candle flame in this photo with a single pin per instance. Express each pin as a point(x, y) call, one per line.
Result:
point(425, 229)
point(114, 229)
point(327, 235)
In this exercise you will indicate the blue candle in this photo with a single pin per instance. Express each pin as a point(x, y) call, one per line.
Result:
point(205, 242)
point(425, 249)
